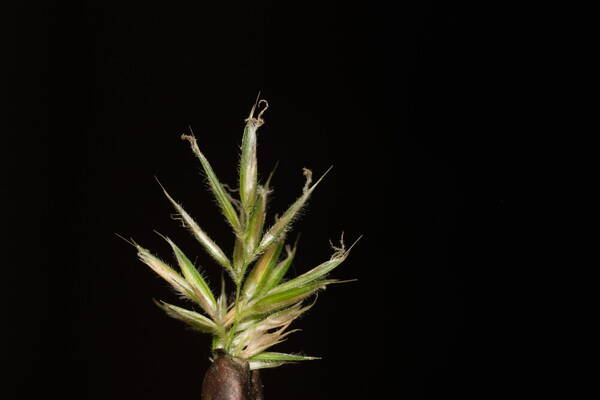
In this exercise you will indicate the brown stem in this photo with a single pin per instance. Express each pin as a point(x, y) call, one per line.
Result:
point(230, 378)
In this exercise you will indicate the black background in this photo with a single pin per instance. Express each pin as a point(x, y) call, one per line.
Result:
point(408, 104)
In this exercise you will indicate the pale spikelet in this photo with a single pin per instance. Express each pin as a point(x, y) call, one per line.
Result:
point(256, 222)
point(277, 273)
point(239, 260)
point(318, 272)
point(282, 224)
point(283, 298)
point(262, 342)
point(209, 245)
point(264, 364)
point(222, 304)
point(197, 321)
point(273, 359)
point(215, 186)
point(167, 273)
point(258, 275)
point(252, 329)
point(254, 229)
point(248, 163)
point(282, 318)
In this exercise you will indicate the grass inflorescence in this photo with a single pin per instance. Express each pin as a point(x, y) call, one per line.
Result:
point(257, 315)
